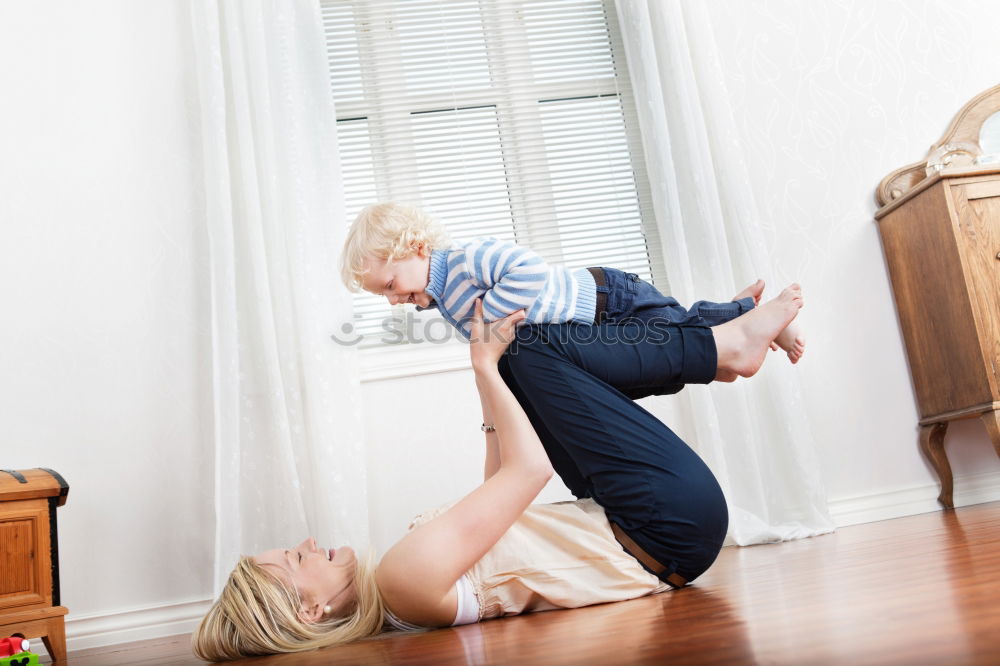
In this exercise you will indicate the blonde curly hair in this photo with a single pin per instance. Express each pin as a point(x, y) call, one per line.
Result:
point(389, 231)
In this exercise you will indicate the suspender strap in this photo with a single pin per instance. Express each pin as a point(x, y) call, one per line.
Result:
point(601, 309)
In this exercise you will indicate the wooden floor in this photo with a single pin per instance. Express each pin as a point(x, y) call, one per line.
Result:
point(918, 590)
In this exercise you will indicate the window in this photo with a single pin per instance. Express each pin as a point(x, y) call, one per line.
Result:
point(506, 118)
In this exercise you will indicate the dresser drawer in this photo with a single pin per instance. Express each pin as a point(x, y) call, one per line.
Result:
point(25, 561)
point(976, 202)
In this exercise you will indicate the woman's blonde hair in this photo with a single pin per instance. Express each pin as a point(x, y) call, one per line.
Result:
point(389, 231)
point(257, 613)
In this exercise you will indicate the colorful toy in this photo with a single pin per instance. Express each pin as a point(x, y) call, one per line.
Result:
point(13, 645)
point(14, 652)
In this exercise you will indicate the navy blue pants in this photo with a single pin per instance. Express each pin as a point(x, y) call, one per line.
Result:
point(630, 297)
point(576, 382)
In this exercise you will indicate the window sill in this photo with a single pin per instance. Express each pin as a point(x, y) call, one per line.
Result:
point(380, 363)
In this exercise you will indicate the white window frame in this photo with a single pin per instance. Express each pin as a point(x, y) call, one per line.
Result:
point(386, 362)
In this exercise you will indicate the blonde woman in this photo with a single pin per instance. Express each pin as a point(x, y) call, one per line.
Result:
point(650, 515)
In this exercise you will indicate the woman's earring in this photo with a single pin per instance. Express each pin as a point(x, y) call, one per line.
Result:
point(327, 610)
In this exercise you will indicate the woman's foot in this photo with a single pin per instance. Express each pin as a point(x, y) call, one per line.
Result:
point(754, 291)
point(791, 341)
point(742, 344)
point(726, 376)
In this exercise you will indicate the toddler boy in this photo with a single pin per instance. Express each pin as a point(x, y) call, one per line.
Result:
point(399, 252)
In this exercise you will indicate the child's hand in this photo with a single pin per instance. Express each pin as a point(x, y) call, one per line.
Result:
point(489, 341)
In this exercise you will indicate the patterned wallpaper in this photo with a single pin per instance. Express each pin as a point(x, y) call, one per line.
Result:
point(830, 96)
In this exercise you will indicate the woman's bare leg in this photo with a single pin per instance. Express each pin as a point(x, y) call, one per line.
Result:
point(742, 344)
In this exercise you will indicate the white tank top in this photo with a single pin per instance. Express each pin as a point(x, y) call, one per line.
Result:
point(468, 608)
point(468, 602)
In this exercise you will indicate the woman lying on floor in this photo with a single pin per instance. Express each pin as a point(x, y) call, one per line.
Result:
point(651, 514)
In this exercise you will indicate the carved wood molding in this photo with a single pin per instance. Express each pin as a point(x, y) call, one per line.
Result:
point(959, 146)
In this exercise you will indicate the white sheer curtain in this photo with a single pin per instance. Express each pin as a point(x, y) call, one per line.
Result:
point(288, 444)
point(753, 433)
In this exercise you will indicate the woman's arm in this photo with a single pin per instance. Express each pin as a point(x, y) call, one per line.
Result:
point(418, 573)
point(492, 460)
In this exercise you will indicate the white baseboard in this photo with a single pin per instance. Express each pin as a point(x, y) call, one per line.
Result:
point(83, 632)
point(100, 630)
point(968, 490)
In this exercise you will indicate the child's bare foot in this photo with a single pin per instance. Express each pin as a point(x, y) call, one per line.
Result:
point(754, 290)
point(792, 341)
point(742, 344)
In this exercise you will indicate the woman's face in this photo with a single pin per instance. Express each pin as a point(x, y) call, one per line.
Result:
point(321, 577)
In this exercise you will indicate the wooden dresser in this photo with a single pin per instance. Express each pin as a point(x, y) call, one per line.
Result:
point(29, 557)
point(940, 227)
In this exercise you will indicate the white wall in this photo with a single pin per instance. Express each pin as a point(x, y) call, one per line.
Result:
point(104, 342)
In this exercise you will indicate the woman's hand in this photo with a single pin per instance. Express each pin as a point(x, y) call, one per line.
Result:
point(489, 341)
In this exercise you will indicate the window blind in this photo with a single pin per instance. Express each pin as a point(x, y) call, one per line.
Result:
point(512, 119)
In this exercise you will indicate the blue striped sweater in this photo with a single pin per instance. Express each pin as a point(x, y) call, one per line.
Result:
point(508, 277)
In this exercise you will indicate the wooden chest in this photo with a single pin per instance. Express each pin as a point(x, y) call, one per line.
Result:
point(29, 557)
